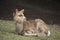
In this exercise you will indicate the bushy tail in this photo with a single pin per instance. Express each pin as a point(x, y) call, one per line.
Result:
point(48, 33)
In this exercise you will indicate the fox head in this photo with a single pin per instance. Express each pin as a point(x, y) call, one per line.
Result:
point(19, 16)
point(20, 13)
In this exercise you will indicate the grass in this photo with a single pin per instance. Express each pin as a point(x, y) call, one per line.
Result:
point(7, 32)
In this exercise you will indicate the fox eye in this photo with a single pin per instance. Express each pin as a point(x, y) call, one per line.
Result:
point(20, 15)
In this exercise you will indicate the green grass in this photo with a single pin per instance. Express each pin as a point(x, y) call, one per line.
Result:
point(7, 32)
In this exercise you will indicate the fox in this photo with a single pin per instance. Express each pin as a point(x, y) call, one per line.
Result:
point(36, 27)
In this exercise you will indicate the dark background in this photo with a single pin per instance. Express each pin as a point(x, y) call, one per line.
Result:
point(47, 10)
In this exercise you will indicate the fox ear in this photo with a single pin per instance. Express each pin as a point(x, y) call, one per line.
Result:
point(16, 10)
point(22, 11)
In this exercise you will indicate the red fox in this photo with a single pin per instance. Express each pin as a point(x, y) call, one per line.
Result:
point(25, 27)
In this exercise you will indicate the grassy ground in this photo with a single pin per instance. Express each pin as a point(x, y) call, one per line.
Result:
point(7, 29)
